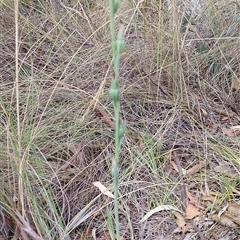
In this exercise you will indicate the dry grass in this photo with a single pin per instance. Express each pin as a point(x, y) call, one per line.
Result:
point(176, 73)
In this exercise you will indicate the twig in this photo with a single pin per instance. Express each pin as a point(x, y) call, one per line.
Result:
point(106, 118)
point(182, 189)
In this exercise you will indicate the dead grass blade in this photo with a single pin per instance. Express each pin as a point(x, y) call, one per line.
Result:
point(103, 189)
point(27, 228)
point(158, 209)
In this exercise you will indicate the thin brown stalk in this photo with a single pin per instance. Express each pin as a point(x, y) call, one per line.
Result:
point(20, 161)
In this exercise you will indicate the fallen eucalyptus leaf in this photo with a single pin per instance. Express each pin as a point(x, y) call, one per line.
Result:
point(180, 221)
point(191, 211)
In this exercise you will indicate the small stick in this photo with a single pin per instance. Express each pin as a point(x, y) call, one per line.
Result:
point(183, 190)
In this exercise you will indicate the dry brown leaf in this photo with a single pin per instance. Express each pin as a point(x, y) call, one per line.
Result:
point(106, 117)
point(192, 200)
point(196, 168)
point(204, 112)
point(175, 167)
point(88, 231)
point(234, 208)
point(233, 218)
point(141, 144)
point(103, 189)
point(192, 207)
point(224, 119)
point(223, 113)
point(224, 220)
point(107, 235)
point(180, 221)
point(235, 84)
point(191, 211)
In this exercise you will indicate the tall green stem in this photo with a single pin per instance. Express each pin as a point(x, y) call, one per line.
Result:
point(117, 48)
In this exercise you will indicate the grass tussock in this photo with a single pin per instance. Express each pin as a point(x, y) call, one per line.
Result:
point(179, 79)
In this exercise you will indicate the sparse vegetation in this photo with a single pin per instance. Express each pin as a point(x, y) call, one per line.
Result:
point(180, 107)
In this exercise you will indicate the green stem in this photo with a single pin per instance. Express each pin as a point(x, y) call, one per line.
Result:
point(117, 47)
point(116, 171)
